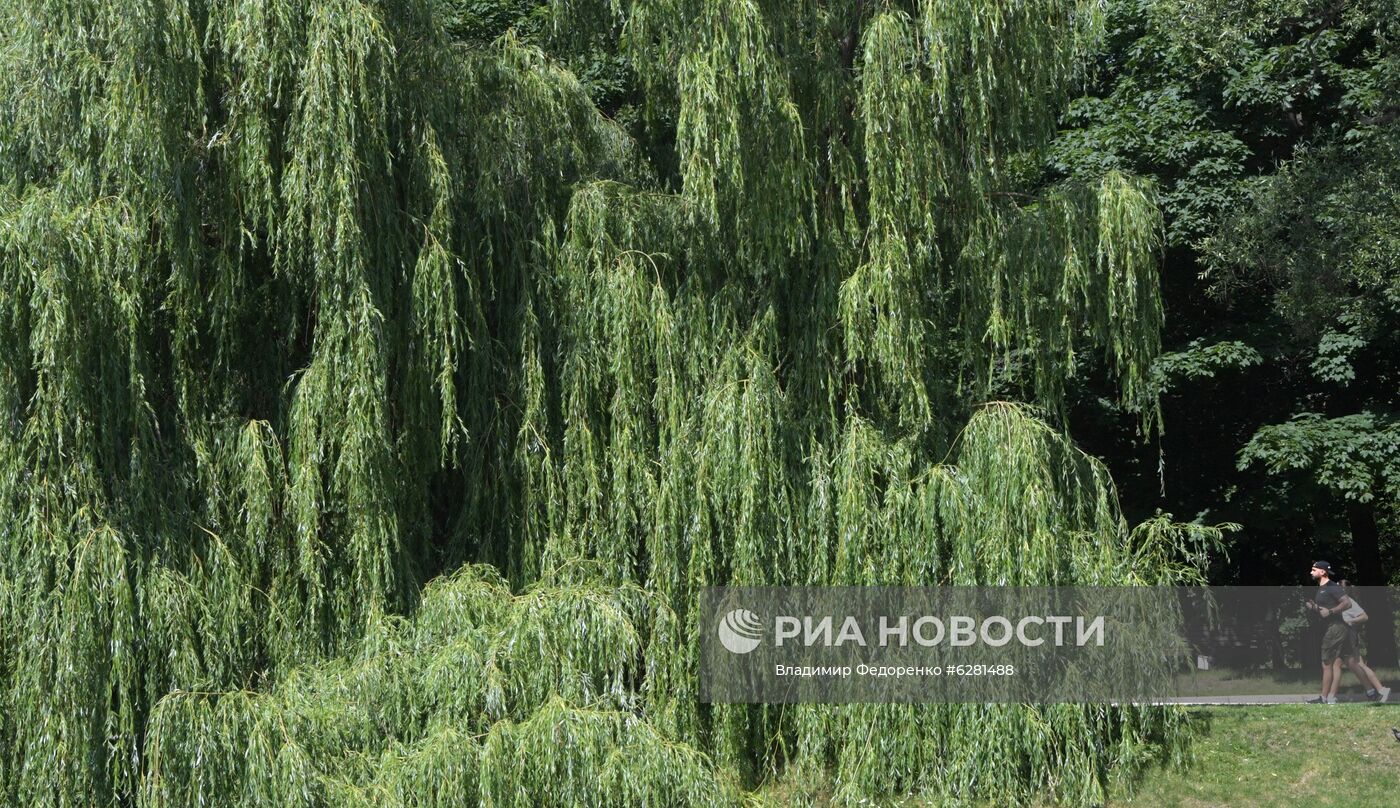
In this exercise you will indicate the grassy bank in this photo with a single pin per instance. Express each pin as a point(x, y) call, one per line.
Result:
point(1284, 755)
point(1308, 681)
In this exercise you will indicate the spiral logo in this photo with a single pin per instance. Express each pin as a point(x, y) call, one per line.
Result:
point(740, 631)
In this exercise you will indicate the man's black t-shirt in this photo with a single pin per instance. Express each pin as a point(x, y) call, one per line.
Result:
point(1329, 595)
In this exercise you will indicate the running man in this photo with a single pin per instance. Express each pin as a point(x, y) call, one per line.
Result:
point(1329, 602)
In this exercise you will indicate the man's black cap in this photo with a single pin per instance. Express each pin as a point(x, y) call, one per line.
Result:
point(1324, 566)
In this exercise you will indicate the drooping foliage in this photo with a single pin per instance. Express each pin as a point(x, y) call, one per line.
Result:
point(308, 304)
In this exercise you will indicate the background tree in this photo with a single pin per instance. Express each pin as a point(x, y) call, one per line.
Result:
point(1271, 130)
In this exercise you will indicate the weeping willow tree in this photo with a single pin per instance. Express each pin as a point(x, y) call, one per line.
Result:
point(375, 407)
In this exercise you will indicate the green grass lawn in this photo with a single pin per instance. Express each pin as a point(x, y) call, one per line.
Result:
point(1284, 755)
point(1277, 756)
point(1237, 683)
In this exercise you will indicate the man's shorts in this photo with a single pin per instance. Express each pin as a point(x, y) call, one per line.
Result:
point(1337, 642)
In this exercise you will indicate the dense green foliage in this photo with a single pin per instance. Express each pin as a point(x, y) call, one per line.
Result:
point(1271, 128)
point(375, 406)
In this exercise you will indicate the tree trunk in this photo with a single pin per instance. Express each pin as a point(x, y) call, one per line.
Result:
point(1371, 572)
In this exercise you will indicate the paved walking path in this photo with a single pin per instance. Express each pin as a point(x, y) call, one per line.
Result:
point(1289, 698)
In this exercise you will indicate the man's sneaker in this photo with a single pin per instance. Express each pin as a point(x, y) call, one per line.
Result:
point(1331, 699)
point(1383, 694)
point(1318, 700)
point(1370, 692)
